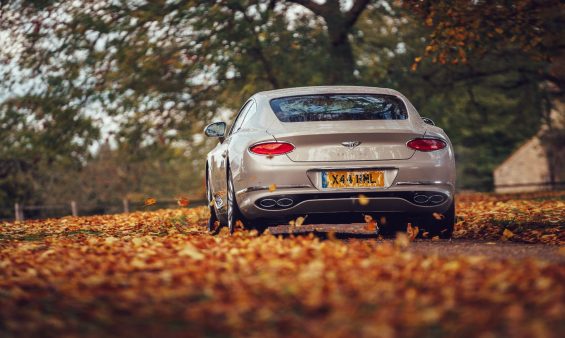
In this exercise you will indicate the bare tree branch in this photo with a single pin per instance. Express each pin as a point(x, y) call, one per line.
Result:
point(353, 14)
point(311, 5)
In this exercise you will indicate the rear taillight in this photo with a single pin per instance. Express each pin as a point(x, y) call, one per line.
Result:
point(426, 144)
point(272, 148)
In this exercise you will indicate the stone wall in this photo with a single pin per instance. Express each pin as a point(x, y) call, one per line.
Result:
point(526, 169)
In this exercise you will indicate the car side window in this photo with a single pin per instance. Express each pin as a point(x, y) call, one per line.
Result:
point(239, 118)
point(248, 113)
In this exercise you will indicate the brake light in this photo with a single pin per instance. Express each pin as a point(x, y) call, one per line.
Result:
point(272, 148)
point(426, 144)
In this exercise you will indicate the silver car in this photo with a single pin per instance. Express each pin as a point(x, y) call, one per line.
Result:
point(329, 152)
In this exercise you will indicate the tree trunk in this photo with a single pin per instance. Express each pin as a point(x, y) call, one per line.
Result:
point(342, 62)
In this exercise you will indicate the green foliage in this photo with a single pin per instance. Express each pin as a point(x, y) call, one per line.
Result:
point(488, 106)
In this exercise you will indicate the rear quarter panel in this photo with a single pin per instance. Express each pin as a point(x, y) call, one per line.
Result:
point(238, 150)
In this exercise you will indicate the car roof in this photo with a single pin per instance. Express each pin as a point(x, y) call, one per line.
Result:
point(313, 90)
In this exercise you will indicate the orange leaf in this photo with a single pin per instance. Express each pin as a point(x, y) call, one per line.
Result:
point(507, 234)
point(150, 201)
point(412, 232)
point(183, 202)
point(363, 200)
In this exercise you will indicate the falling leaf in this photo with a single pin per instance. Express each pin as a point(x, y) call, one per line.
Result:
point(272, 187)
point(435, 238)
point(507, 234)
point(383, 220)
point(371, 224)
point(363, 200)
point(412, 232)
point(150, 201)
point(299, 221)
point(183, 202)
point(438, 216)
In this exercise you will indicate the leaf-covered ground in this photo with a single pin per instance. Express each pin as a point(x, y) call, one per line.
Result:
point(160, 274)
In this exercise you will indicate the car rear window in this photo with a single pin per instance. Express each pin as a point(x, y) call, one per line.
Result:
point(338, 107)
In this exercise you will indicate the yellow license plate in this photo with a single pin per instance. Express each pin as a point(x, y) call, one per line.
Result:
point(353, 179)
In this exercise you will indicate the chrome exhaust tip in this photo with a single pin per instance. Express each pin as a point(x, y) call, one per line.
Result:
point(421, 199)
point(285, 202)
point(436, 199)
point(268, 203)
point(429, 199)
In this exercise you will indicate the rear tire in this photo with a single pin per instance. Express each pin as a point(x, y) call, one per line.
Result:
point(233, 212)
point(211, 206)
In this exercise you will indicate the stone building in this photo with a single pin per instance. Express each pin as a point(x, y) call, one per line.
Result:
point(535, 165)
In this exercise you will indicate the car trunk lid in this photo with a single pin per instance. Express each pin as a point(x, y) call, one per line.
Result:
point(347, 140)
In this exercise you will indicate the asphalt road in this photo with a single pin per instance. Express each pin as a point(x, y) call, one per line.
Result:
point(448, 248)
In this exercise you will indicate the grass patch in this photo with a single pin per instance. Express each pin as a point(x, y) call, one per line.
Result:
point(42, 235)
point(31, 237)
point(82, 232)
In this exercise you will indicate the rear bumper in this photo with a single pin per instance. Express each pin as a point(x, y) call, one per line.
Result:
point(398, 199)
point(424, 173)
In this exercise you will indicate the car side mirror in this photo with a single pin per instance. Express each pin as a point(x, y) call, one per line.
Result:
point(428, 121)
point(216, 129)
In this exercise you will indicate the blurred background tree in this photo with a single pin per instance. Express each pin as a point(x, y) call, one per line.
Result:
point(106, 99)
